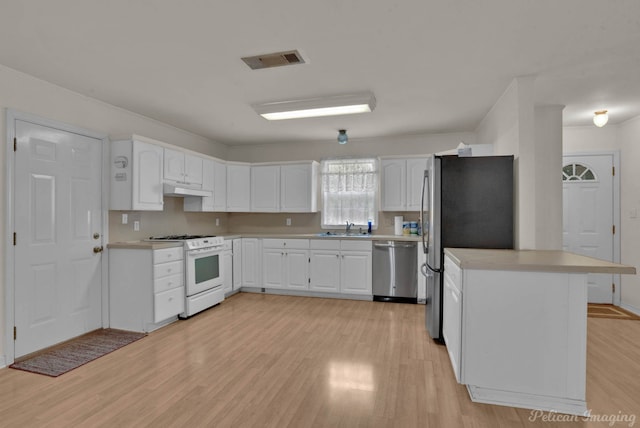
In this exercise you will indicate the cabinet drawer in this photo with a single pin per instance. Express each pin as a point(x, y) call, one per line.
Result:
point(355, 245)
point(168, 304)
point(168, 282)
point(273, 243)
point(167, 255)
point(453, 271)
point(166, 269)
point(325, 244)
point(296, 244)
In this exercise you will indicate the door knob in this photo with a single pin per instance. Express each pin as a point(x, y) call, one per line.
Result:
point(97, 250)
point(96, 236)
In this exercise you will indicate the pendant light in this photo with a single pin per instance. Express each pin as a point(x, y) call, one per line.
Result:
point(342, 136)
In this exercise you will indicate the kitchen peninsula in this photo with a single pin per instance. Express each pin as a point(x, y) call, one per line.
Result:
point(515, 325)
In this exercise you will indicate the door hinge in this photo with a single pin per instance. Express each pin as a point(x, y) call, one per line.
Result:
point(309, 280)
point(15, 238)
point(15, 332)
point(309, 259)
point(613, 288)
point(15, 144)
point(613, 170)
point(614, 229)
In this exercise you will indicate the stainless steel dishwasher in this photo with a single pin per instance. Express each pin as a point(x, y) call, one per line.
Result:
point(395, 271)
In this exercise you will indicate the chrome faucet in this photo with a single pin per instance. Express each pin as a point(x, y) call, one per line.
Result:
point(349, 225)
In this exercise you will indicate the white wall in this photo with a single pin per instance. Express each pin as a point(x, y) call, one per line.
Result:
point(30, 95)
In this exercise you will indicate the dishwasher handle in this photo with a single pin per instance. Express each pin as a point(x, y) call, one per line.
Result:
point(393, 245)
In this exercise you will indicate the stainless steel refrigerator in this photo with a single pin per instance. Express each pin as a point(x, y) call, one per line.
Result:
point(467, 202)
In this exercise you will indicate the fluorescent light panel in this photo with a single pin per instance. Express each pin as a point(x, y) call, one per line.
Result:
point(317, 107)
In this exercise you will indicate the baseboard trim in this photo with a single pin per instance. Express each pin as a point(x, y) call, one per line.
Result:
point(3, 362)
point(527, 401)
point(300, 293)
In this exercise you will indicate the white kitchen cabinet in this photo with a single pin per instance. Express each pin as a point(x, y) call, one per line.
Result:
point(251, 262)
point(238, 187)
point(136, 175)
point(214, 179)
point(285, 263)
point(265, 188)
point(299, 187)
point(290, 187)
point(146, 287)
point(340, 266)
point(181, 167)
point(401, 185)
point(237, 264)
point(394, 184)
point(517, 337)
point(227, 266)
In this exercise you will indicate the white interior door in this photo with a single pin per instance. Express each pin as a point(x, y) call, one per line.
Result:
point(58, 222)
point(588, 215)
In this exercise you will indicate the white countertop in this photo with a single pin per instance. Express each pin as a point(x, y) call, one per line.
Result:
point(533, 261)
point(144, 245)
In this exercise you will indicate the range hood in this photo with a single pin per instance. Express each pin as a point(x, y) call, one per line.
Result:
point(174, 189)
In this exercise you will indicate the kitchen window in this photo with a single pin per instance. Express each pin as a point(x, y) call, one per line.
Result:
point(349, 192)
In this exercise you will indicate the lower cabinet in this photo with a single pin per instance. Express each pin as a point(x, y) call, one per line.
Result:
point(340, 266)
point(237, 264)
point(285, 263)
point(452, 314)
point(146, 287)
point(251, 262)
point(227, 269)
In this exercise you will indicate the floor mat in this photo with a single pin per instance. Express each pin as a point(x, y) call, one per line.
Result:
point(69, 355)
point(610, 311)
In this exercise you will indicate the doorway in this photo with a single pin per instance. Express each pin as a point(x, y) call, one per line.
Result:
point(56, 222)
point(590, 215)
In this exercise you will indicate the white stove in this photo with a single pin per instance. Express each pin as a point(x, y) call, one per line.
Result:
point(204, 275)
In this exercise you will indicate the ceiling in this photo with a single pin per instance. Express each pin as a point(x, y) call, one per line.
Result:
point(434, 67)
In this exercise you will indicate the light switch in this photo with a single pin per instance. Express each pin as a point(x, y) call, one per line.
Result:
point(136, 226)
point(288, 222)
point(217, 222)
point(633, 213)
point(125, 218)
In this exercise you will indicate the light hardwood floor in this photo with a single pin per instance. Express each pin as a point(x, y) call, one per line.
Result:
point(279, 361)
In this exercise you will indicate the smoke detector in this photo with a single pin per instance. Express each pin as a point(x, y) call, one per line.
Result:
point(276, 59)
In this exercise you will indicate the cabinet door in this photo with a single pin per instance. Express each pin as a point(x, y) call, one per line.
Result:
point(394, 185)
point(227, 271)
point(265, 188)
point(324, 271)
point(251, 262)
point(147, 177)
point(273, 268)
point(219, 186)
point(237, 264)
point(238, 188)
point(173, 165)
point(296, 191)
point(297, 269)
point(193, 169)
point(355, 272)
point(452, 321)
point(415, 177)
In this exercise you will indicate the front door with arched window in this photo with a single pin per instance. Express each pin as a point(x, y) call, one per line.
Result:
point(588, 215)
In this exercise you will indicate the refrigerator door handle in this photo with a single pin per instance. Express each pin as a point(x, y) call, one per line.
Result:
point(425, 231)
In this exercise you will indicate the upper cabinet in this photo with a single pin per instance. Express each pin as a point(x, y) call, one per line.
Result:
point(284, 188)
point(136, 176)
point(238, 187)
point(214, 179)
point(181, 167)
point(402, 183)
point(299, 187)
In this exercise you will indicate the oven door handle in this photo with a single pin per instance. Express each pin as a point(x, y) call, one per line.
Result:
point(199, 252)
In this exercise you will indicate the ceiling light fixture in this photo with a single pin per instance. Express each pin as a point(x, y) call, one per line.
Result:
point(600, 118)
point(316, 107)
point(342, 136)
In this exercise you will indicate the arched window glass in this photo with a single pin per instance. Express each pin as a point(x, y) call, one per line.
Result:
point(577, 172)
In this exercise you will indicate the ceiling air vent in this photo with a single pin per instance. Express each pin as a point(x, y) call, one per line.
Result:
point(276, 59)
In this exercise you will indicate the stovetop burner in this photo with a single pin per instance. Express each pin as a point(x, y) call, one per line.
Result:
point(178, 237)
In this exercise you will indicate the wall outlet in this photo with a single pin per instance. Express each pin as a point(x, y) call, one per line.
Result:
point(125, 218)
point(217, 222)
point(288, 221)
point(136, 226)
